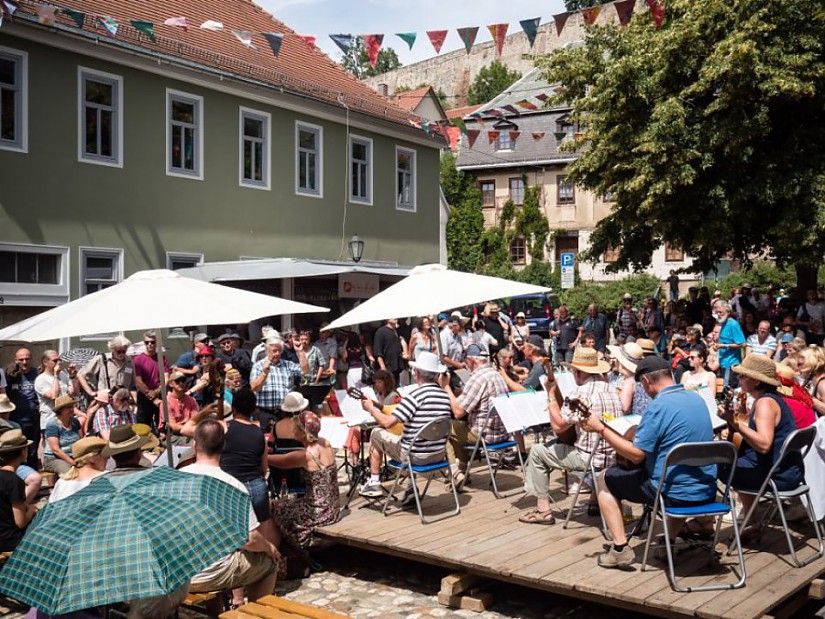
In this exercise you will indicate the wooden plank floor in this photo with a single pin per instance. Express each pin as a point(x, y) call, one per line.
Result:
point(487, 539)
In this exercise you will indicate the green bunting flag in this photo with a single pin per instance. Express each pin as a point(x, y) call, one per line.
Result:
point(274, 39)
point(560, 135)
point(468, 36)
point(458, 122)
point(531, 28)
point(343, 41)
point(407, 37)
point(145, 27)
point(78, 17)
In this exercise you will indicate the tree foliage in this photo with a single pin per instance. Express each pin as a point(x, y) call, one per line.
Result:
point(577, 5)
point(490, 82)
point(357, 62)
point(466, 223)
point(708, 132)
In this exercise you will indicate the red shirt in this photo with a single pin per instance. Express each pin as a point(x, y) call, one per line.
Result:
point(146, 368)
point(181, 410)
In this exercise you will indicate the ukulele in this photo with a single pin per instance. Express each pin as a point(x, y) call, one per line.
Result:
point(581, 411)
point(356, 394)
point(730, 414)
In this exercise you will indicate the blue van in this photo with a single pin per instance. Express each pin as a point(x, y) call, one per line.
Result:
point(538, 310)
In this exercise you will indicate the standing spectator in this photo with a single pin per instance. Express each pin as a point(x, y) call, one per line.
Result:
point(566, 328)
point(495, 325)
point(596, 323)
point(328, 346)
point(762, 342)
point(481, 338)
point(626, 317)
point(520, 331)
point(653, 317)
point(310, 358)
point(271, 379)
point(810, 317)
point(673, 285)
point(423, 339)
point(52, 383)
point(21, 378)
point(147, 380)
point(730, 344)
point(695, 306)
point(62, 431)
point(109, 371)
point(259, 352)
point(234, 356)
point(187, 363)
point(387, 349)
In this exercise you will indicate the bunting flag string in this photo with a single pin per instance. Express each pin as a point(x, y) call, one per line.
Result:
point(180, 22)
point(76, 16)
point(512, 109)
point(657, 10)
point(372, 42)
point(213, 25)
point(514, 135)
point(499, 33)
point(560, 20)
point(538, 135)
point(408, 38)
point(344, 41)
point(10, 6)
point(531, 28)
point(468, 36)
point(109, 23)
point(437, 38)
point(624, 10)
point(46, 14)
point(492, 136)
point(527, 105)
point(591, 14)
point(245, 37)
point(274, 39)
point(472, 136)
point(145, 27)
point(309, 39)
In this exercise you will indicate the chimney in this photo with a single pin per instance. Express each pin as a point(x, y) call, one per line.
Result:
point(384, 90)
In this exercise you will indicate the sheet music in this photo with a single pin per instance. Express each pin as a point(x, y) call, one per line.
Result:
point(178, 453)
point(406, 390)
point(623, 424)
point(710, 401)
point(335, 430)
point(522, 409)
point(354, 378)
point(463, 374)
point(566, 383)
point(351, 408)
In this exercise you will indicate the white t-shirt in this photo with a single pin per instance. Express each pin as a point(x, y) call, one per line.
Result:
point(64, 488)
point(217, 473)
point(44, 383)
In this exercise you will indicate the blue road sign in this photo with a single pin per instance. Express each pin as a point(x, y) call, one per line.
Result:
point(567, 259)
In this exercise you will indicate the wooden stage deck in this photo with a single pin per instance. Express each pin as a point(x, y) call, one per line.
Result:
point(486, 539)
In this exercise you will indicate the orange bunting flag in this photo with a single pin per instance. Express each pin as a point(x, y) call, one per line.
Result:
point(499, 33)
point(657, 9)
point(437, 38)
point(560, 20)
point(527, 105)
point(373, 44)
point(309, 39)
point(591, 14)
point(492, 136)
point(624, 10)
point(472, 136)
point(514, 135)
point(537, 135)
point(46, 14)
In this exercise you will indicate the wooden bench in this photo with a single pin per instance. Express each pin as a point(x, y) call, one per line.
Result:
point(274, 607)
point(211, 600)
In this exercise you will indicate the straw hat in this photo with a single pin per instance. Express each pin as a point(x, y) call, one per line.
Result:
point(648, 346)
point(62, 402)
point(6, 405)
point(13, 440)
point(144, 431)
point(88, 445)
point(102, 396)
point(628, 355)
point(760, 368)
point(123, 439)
point(294, 402)
point(587, 360)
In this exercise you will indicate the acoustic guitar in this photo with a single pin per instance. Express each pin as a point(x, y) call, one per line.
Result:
point(581, 411)
point(356, 394)
point(731, 414)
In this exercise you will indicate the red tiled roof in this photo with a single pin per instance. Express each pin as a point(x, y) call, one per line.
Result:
point(410, 99)
point(297, 68)
point(460, 112)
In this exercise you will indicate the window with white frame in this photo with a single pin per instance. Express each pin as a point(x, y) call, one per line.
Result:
point(29, 267)
point(517, 190)
point(99, 269)
point(184, 135)
point(33, 274)
point(255, 148)
point(100, 117)
point(405, 179)
point(182, 260)
point(13, 99)
point(309, 153)
point(503, 141)
point(360, 153)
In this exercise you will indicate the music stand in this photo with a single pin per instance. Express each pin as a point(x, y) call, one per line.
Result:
point(316, 393)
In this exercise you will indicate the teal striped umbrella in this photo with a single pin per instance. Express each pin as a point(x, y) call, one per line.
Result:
point(125, 537)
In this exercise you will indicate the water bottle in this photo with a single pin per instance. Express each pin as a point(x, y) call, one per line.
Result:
point(282, 494)
point(627, 513)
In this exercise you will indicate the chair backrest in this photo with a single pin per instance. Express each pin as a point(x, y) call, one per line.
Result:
point(435, 430)
point(703, 453)
point(798, 440)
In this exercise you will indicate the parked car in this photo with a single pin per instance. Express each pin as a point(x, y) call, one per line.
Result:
point(538, 310)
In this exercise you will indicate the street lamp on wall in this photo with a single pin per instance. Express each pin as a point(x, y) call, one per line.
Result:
point(356, 248)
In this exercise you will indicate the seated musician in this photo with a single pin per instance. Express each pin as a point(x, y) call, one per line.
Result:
point(425, 404)
point(181, 420)
point(674, 417)
point(591, 386)
point(384, 386)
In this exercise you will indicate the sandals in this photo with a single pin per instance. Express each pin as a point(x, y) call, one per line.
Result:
point(698, 529)
point(535, 516)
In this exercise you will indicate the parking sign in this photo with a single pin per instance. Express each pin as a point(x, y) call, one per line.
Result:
point(568, 259)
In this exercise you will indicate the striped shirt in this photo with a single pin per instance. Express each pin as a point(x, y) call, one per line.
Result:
point(427, 403)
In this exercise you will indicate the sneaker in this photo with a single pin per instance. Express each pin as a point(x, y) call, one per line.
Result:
point(615, 559)
point(677, 546)
point(372, 491)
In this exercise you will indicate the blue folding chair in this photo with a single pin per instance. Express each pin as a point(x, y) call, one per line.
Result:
point(800, 442)
point(696, 455)
point(437, 430)
point(487, 449)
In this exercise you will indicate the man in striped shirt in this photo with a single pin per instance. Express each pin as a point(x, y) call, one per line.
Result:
point(426, 404)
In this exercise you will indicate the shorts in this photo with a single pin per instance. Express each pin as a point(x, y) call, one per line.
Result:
point(390, 444)
point(24, 470)
point(239, 569)
point(634, 485)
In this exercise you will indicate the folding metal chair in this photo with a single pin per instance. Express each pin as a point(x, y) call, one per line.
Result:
point(493, 448)
point(696, 455)
point(434, 431)
point(591, 468)
point(797, 442)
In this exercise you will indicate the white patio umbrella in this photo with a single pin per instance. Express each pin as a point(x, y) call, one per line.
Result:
point(157, 299)
point(432, 288)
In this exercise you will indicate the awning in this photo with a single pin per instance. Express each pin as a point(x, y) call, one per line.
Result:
point(280, 268)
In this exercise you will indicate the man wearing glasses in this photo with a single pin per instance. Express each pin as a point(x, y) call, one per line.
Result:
point(21, 376)
point(109, 371)
point(147, 379)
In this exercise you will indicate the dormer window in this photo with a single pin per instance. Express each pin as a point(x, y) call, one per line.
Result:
point(503, 141)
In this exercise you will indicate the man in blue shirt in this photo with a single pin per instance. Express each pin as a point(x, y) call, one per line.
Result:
point(731, 343)
point(674, 417)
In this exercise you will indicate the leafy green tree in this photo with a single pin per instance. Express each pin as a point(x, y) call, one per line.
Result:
point(531, 223)
point(577, 5)
point(490, 82)
point(357, 62)
point(466, 224)
point(708, 132)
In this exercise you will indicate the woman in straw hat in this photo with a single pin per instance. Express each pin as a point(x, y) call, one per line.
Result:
point(633, 397)
point(61, 433)
point(15, 512)
point(88, 464)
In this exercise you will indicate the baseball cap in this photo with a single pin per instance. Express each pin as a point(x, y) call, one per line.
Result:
point(787, 337)
point(650, 364)
point(474, 350)
point(536, 341)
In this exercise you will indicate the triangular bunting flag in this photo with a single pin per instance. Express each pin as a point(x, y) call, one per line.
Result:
point(146, 27)
point(309, 39)
point(109, 23)
point(180, 22)
point(211, 24)
point(538, 135)
point(560, 135)
point(624, 10)
point(10, 6)
point(458, 122)
point(499, 33)
point(274, 39)
point(468, 37)
point(560, 20)
point(454, 136)
point(514, 135)
point(495, 112)
point(437, 39)
point(245, 37)
point(511, 109)
point(531, 28)
point(492, 136)
point(407, 37)
point(343, 41)
point(425, 126)
point(527, 105)
point(478, 118)
point(657, 9)
point(372, 42)
point(472, 136)
point(78, 17)
point(45, 14)
point(591, 14)
point(542, 97)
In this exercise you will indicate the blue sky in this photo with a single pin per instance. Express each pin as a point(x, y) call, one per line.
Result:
point(325, 17)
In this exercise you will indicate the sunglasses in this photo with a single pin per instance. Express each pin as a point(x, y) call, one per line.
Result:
point(179, 380)
point(150, 342)
point(120, 350)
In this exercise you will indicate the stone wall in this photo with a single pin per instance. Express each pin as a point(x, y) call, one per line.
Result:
point(455, 71)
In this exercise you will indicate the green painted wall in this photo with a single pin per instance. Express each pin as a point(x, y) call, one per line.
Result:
point(48, 197)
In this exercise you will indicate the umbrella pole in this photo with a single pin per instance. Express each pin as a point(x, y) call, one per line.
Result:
point(162, 376)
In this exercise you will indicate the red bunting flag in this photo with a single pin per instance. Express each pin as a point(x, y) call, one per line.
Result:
point(514, 135)
point(180, 22)
point(309, 39)
point(492, 136)
point(624, 10)
point(591, 14)
point(496, 112)
point(454, 135)
point(657, 9)
point(560, 20)
point(511, 109)
point(499, 33)
point(472, 136)
point(437, 38)
point(373, 44)
point(542, 97)
point(537, 135)
point(527, 105)
point(468, 36)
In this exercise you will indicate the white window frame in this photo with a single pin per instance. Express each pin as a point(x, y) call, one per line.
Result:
point(266, 119)
point(116, 161)
point(41, 295)
point(108, 252)
point(353, 139)
point(319, 161)
point(500, 141)
point(21, 145)
point(197, 100)
point(171, 256)
point(411, 208)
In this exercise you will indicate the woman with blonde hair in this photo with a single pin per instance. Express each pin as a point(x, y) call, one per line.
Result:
point(812, 369)
point(88, 464)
